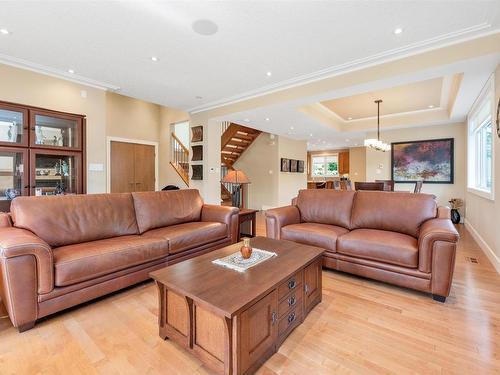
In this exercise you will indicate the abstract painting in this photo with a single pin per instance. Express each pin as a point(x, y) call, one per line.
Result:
point(430, 161)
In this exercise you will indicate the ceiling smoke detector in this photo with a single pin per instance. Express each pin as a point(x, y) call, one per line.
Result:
point(205, 27)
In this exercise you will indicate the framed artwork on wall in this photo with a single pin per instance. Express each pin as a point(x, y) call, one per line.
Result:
point(428, 160)
point(285, 165)
point(293, 165)
point(300, 166)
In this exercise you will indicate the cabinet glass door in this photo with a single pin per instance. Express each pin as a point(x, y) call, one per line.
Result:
point(13, 126)
point(13, 179)
point(49, 131)
point(55, 173)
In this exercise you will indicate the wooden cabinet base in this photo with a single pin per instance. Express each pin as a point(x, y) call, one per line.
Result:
point(242, 343)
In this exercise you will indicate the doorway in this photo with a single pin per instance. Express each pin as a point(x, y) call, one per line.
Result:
point(132, 166)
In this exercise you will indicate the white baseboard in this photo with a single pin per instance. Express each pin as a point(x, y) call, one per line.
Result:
point(487, 250)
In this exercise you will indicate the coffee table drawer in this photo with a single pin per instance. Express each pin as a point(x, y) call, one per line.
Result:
point(293, 300)
point(292, 283)
point(290, 321)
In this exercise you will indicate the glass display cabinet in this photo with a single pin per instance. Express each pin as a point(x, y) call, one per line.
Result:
point(13, 125)
point(42, 152)
point(55, 173)
point(56, 131)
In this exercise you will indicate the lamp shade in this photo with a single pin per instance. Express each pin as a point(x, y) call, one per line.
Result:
point(236, 177)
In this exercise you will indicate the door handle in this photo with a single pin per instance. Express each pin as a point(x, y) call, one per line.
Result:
point(291, 318)
point(292, 301)
point(274, 318)
point(292, 284)
point(306, 288)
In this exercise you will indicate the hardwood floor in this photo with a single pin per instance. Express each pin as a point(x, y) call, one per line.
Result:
point(361, 327)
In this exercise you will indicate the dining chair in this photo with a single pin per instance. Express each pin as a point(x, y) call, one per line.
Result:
point(418, 187)
point(379, 186)
point(329, 185)
point(348, 184)
point(336, 185)
point(320, 185)
point(388, 184)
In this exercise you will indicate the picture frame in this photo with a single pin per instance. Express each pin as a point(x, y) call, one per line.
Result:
point(300, 166)
point(285, 165)
point(429, 160)
point(293, 165)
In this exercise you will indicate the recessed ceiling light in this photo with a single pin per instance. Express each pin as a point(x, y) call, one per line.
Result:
point(4, 31)
point(310, 134)
point(431, 106)
point(398, 30)
point(268, 119)
point(246, 120)
point(204, 27)
point(291, 128)
point(349, 118)
point(71, 71)
point(347, 140)
point(269, 74)
point(355, 144)
point(154, 58)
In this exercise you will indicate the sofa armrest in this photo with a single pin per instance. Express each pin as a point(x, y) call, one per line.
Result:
point(222, 214)
point(278, 218)
point(16, 242)
point(437, 244)
point(444, 212)
point(5, 220)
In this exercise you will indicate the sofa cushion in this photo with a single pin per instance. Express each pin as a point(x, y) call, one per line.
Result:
point(71, 219)
point(392, 211)
point(321, 235)
point(85, 261)
point(157, 209)
point(326, 206)
point(379, 245)
point(188, 235)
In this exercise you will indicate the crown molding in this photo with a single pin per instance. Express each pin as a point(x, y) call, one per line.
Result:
point(46, 70)
point(455, 37)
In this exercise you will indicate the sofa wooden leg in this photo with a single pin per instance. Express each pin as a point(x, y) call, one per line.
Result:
point(441, 299)
point(26, 326)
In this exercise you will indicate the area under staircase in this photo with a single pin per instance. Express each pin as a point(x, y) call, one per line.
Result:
point(235, 140)
point(179, 158)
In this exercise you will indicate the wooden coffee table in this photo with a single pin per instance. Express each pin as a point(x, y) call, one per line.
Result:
point(233, 321)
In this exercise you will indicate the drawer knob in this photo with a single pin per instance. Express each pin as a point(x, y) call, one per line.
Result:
point(292, 301)
point(292, 284)
point(291, 317)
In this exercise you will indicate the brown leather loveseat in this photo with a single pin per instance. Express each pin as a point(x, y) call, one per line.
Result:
point(61, 251)
point(399, 238)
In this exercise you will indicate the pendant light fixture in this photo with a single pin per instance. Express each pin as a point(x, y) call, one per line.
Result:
point(377, 144)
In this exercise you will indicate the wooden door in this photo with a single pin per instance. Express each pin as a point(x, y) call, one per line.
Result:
point(122, 167)
point(344, 162)
point(312, 286)
point(258, 331)
point(144, 157)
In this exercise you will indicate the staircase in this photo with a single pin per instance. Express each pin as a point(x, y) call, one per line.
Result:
point(235, 140)
point(179, 158)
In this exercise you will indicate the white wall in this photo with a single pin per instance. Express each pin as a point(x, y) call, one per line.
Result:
point(483, 215)
point(443, 192)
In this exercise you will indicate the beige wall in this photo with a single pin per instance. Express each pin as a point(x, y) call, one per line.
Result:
point(378, 164)
point(108, 114)
point(26, 87)
point(290, 183)
point(483, 215)
point(357, 164)
point(263, 174)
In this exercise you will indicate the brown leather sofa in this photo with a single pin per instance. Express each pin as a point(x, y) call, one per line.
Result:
point(399, 238)
point(57, 252)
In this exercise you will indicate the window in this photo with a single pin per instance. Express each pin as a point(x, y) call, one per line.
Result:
point(325, 166)
point(480, 141)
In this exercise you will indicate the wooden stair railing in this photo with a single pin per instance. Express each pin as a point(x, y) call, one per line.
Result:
point(179, 158)
point(234, 142)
